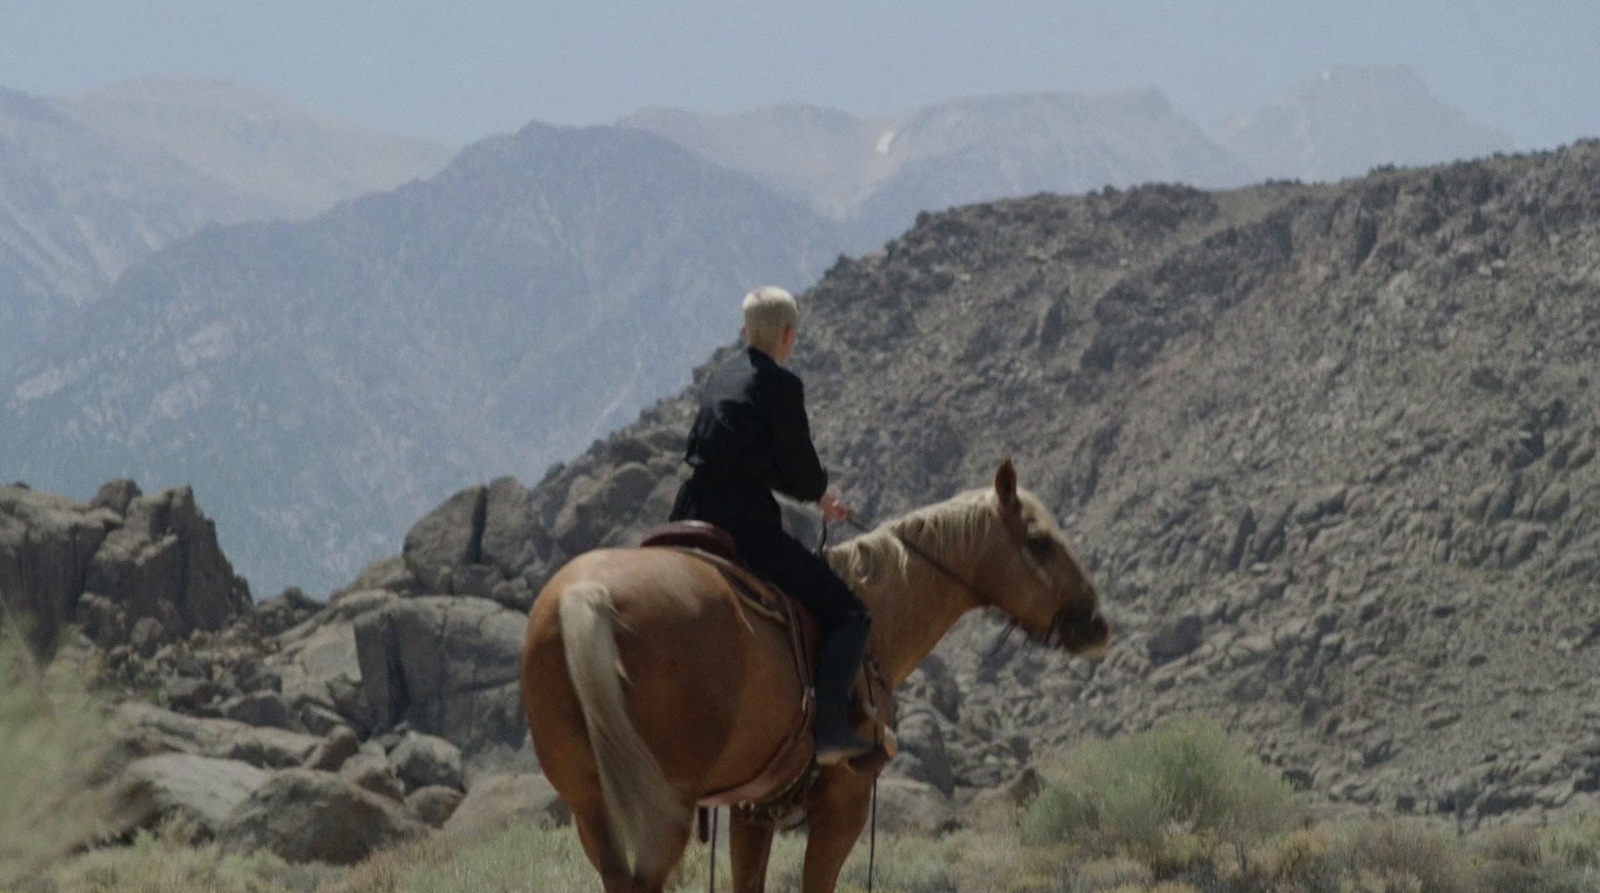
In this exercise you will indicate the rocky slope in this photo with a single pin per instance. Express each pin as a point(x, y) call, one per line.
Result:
point(1350, 120)
point(1328, 449)
point(878, 173)
point(321, 383)
point(92, 184)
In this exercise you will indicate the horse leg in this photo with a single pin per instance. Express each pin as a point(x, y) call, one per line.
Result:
point(838, 814)
point(749, 845)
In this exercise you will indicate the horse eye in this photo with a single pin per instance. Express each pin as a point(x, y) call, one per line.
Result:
point(1040, 546)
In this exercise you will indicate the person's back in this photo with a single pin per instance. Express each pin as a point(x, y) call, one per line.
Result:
point(751, 437)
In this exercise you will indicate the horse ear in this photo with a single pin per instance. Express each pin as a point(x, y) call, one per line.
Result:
point(1005, 484)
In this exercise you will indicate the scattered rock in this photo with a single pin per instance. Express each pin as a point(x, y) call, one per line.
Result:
point(200, 789)
point(306, 816)
point(434, 804)
point(500, 800)
point(426, 761)
point(337, 747)
point(906, 806)
point(1175, 638)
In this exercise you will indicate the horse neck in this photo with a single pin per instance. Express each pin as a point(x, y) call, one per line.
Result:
point(911, 612)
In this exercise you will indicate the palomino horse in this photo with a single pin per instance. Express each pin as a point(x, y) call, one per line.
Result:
point(647, 689)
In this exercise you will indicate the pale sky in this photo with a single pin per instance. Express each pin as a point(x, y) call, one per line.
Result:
point(458, 71)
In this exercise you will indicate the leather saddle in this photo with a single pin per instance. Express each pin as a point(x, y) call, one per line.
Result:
point(791, 769)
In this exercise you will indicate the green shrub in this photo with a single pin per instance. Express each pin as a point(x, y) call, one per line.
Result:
point(1186, 776)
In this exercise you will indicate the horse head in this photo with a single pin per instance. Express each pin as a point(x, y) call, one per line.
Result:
point(1032, 574)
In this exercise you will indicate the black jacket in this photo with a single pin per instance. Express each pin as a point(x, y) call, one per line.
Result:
point(751, 437)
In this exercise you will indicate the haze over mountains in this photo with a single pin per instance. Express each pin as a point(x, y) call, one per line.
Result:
point(323, 381)
point(877, 173)
point(92, 184)
point(1349, 120)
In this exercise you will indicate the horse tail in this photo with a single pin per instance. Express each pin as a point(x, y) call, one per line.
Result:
point(641, 806)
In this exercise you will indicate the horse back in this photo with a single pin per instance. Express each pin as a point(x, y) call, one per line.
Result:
point(712, 689)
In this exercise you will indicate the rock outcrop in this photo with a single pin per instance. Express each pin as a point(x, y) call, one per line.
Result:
point(133, 570)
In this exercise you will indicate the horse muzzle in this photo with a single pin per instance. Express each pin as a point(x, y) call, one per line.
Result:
point(1082, 633)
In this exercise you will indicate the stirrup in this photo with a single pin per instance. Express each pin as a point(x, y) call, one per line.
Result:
point(844, 751)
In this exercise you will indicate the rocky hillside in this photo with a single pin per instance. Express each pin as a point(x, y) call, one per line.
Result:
point(1329, 450)
point(92, 184)
point(321, 383)
point(878, 173)
point(1349, 120)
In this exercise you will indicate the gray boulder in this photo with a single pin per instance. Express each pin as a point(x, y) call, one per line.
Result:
point(448, 666)
point(318, 668)
point(262, 708)
point(434, 804)
point(369, 769)
point(906, 806)
point(426, 761)
point(513, 538)
point(599, 511)
point(447, 537)
point(306, 816)
point(163, 730)
point(922, 746)
point(1175, 638)
point(497, 801)
point(202, 790)
point(337, 747)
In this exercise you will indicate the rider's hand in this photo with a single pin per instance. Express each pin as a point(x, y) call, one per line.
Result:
point(833, 506)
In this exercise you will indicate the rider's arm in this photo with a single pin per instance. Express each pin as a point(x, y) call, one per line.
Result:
point(799, 471)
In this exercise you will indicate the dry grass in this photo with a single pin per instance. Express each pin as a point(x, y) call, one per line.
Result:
point(52, 732)
point(1181, 810)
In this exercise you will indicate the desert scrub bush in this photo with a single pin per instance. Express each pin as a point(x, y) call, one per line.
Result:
point(52, 733)
point(1392, 856)
point(1187, 776)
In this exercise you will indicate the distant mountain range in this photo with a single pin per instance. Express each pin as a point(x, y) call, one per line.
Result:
point(321, 382)
point(877, 174)
point(92, 184)
point(1347, 121)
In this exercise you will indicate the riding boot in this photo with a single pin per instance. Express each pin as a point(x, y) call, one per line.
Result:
point(838, 660)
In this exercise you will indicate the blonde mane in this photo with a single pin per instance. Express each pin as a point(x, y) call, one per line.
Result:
point(951, 528)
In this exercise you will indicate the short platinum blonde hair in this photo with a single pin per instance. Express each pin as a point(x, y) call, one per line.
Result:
point(768, 311)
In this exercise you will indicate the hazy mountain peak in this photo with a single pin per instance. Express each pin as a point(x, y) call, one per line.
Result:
point(1348, 120)
point(879, 172)
point(266, 147)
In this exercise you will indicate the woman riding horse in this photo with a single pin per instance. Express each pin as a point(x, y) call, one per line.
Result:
point(648, 688)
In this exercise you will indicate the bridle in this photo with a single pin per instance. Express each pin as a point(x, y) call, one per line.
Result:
point(1052, 636)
